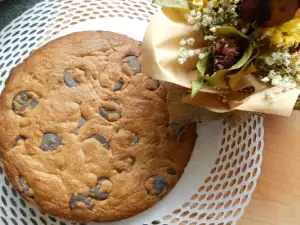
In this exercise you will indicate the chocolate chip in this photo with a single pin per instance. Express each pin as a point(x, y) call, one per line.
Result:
point(102, 189)
point(128, 160)
point(25, 187)
point(78, 200)
point(24, 100)
point(104, 113)
point(69, 79)
point(157, 83)
point(50, 142)
point(110, 115)
point(157, 185)
point(171, 171)
point(177, 129)
point(19, 138)
point(133, 62)
point(33, 103)
point(160, 183)
point(135, 140)
point(153, 85)
point(118, 86)
point(101, 139)
point(101, 196)
point(81, 122)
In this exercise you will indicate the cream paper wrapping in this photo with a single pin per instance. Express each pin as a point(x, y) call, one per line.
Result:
point(160, 53)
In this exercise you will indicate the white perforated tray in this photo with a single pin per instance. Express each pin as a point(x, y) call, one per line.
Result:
point(222, 173)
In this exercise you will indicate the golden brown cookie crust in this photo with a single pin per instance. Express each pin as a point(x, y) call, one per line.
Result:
point(85, 135)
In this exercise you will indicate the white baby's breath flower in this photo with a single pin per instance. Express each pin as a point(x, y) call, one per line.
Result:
point(244, 30)
point(198, 18)
point(286, 62)
point(286, 55)
point(297, 66)
point(265, 79)
point(191, 20)
point(197, 27)
point(206, 10)
point(183, 42)
point(209, 38)
point(211, 4)
point(232, 10)
point(206, 20)
point(286, 79)
point(275, 82)
point(288, 70)
point(213, 29)
point(182, 49)
point(190, 41)
point(183, 53)
point(181, 61)
point(274, 55)
point(193, 13)
point(191, 53)
point(277, 77)
point(272, 73)
point(202, 55)
point(197, 51)
point(221, 10)
point(269, 61)
point(215, 14)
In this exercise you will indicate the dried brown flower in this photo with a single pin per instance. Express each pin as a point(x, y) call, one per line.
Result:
point(226, 53)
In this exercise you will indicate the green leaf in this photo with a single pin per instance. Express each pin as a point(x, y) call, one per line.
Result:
point(232, 32)
point(219, 78)
point(203, 64)
point(234, 79)
point(177, 4)
point(297, 106)
point(196, 86)
point(245, 57)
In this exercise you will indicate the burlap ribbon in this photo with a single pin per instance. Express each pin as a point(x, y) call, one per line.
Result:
point(184, 113)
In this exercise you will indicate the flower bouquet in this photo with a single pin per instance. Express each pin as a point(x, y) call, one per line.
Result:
point(227, 55)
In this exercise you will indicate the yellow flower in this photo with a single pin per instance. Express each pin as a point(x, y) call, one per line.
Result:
point(199, 4)
point(284, 36)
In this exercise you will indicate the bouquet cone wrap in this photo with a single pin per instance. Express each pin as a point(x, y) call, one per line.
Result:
point(160, 53)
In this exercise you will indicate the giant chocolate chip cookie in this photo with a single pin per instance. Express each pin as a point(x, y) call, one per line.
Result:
point(85, 135)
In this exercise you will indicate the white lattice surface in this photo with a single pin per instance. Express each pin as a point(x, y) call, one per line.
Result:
point(225, 165)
